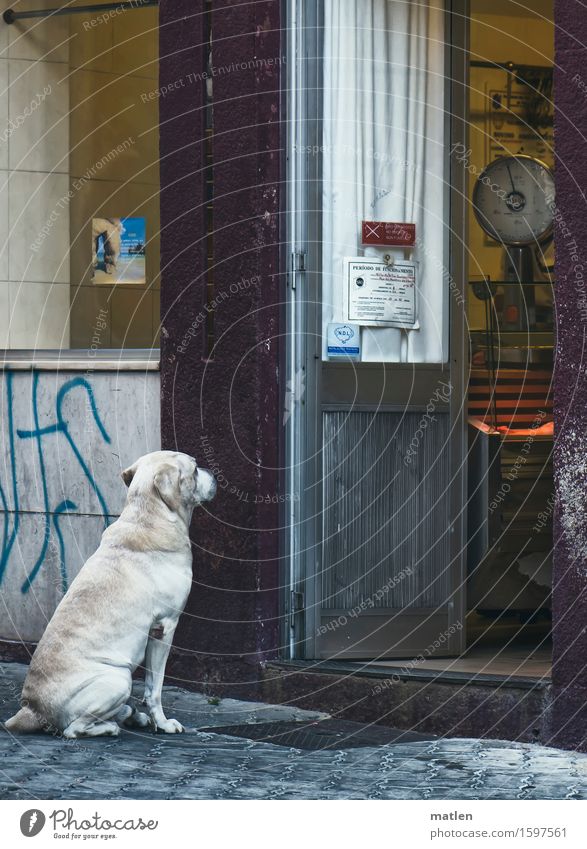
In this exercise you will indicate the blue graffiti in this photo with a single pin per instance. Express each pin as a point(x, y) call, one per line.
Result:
point(64, 507)
point(9, 540)
point(40, 435)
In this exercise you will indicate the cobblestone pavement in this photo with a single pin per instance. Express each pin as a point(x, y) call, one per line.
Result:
point(204, 765)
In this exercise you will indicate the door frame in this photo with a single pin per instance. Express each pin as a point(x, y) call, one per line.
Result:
point(306, 394)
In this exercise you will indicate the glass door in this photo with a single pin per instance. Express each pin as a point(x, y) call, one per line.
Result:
point(375, 428)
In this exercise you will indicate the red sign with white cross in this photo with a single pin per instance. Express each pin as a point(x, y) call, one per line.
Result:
point(389, 234)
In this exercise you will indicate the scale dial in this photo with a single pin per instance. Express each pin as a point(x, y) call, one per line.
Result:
point(513, 200)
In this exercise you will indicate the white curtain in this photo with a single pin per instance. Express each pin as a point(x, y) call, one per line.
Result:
point(384, 157)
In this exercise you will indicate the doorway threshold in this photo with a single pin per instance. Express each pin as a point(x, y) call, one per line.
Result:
point(490, 666)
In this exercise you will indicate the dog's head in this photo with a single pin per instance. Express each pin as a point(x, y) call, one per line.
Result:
point(173, 477)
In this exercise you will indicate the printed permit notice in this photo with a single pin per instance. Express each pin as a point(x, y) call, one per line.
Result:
point(380, 295)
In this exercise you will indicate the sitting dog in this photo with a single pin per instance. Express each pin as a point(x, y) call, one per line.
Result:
point(121, 609)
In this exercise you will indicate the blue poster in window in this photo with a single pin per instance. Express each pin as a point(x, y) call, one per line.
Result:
point(118, 251)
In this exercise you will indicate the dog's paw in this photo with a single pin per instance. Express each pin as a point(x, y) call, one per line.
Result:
point(141, 720)
point(170, 726)
point(137, 720)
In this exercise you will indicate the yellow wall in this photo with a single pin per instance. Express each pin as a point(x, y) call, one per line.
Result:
point(114, 67)
point(498, 38)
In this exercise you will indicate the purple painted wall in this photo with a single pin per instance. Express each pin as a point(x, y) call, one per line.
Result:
point(223, 409)
point(569, 712)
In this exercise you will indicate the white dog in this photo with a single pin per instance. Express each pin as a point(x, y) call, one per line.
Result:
point(121, 609)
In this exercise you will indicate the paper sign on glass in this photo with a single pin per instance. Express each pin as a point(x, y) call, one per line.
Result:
point(118, 251)
point(343, 341)
point(380, 295)
point(388, 234)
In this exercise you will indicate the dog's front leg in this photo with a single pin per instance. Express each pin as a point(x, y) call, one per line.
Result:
point(158, 646)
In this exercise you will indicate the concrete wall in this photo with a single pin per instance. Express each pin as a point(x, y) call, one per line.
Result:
point(224, 409)
point(34, 178)
point(65, 438)
point(570, 447)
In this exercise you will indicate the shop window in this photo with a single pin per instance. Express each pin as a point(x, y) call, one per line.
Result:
point(79, 268)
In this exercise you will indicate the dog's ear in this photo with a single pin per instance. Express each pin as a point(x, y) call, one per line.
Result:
point(128, 474)
point(167, 481)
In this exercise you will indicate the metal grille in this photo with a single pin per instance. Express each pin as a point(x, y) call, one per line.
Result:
point(386, 518)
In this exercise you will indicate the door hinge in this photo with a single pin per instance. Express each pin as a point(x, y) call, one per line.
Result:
point(296, 606)
point(298, 266)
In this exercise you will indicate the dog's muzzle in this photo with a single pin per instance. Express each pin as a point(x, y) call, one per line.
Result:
point(209, 487)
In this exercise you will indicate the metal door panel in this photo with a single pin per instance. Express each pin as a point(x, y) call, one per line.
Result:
point(401, 633)
point(386, 525)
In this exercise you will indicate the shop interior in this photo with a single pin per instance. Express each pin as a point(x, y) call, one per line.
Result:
point(511, 331)
point(80, 268)
point(510, 316)
point(114, 175)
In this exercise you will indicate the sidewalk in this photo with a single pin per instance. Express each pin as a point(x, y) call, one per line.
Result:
point(363, 762)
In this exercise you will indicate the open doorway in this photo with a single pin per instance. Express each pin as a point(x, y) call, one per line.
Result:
point(510, 313)
point(511, 320)
point(378, 543)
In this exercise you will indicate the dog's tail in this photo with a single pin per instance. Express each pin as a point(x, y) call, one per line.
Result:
point(25, 721)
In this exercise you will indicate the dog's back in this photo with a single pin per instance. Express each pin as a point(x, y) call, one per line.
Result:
point(85, 636)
